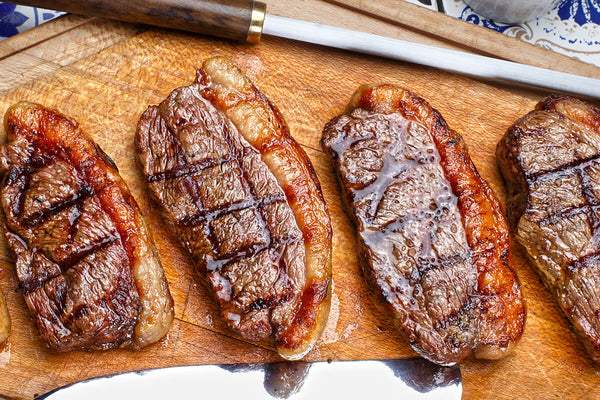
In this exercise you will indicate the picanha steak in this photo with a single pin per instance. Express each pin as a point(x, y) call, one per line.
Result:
point(86, 265)
point(433, 239)
point(245, 202)
point(550, 160)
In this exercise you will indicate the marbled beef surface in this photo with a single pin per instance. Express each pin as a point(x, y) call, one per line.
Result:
point(550, 161)
point(433, 238)
point(86, 265)
point(246, 204)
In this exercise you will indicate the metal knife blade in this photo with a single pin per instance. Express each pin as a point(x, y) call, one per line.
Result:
point(411, 379)
point(450, 60)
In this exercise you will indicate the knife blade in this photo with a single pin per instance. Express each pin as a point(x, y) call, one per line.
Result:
point(248, 20)
point(410, 378)
point(471, 65)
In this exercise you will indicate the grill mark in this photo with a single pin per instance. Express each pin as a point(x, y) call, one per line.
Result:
point(58, 297)
point(566, 213)
point(77, 312)
point(19, 177)
point(191, 186)
point(83, 252)
point(560, 215)
point(250, 251)
point(586, 188)
point(397, 224)
point(36, 282)
point(260, 203)
point(39, 281)
point(103, 303)
point(253, 202)
point(45, 153)
point(454, 318)
point(74, 218)
point(41, 216)
point(586, 192)
point(388, 175)
point(186, 169)
point(238, 255)
point(209, 215)
point(204, 215)
point(587, 260)
point(425, 265)
point(581, 163)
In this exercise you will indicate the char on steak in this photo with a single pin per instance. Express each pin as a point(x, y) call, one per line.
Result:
point(550, 162)
point(433, 239)
point(245, 202)
point(86, 264)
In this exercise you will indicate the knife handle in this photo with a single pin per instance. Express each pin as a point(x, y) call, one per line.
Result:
point(231, 19)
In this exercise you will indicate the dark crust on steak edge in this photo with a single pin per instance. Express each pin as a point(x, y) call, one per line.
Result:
point(434, 240)
point(550, 162)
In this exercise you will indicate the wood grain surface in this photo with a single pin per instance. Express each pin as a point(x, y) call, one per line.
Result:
point(107, 85)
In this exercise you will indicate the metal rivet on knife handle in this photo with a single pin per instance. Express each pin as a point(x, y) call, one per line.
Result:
point(259, 10)
point(231, 19)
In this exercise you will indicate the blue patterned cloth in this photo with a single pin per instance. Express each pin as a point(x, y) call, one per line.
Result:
point(571, 28)
point(581, 12)
point(15, 19)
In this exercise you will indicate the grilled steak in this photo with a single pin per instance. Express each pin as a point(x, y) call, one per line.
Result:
point(550, 162)
point(4, 319)
point(246, 203)
point(433, 238)
point(86, 265)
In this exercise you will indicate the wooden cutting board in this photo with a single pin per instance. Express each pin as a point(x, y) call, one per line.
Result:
point(107, 90)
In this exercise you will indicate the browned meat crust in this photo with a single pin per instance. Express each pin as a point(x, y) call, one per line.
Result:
point(549, 160)
point(86, 265)
point(246, 204)
point(433, 237)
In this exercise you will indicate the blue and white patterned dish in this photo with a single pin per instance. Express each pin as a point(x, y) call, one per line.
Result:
point(15, 19)
point(571, 28)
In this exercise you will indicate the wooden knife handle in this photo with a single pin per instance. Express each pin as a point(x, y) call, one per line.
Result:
point(232, 19)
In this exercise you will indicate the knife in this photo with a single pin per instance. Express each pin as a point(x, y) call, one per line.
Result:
point(247, 20)
point(414, 378)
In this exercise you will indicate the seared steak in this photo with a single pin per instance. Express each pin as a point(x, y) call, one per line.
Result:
point(246, 204)
point(550, 161)
point(433, 238)
point(86, 265)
